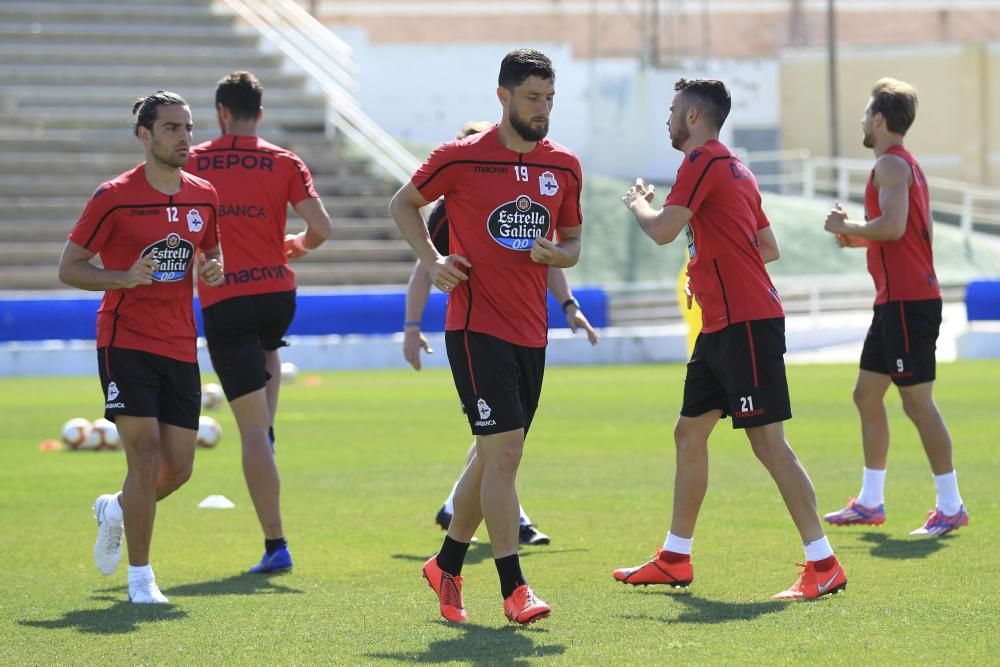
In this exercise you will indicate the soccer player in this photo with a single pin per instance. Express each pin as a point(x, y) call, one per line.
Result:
point(151, 226)
point(737, 367)
point(508, 190)
point(413, 340)
point(246, 317)
point(900, 346)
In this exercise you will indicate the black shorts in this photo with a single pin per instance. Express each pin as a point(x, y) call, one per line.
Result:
point(902, 341)
point(239, 331)
point(740, 370)
point(499, 383)
point(143, 384)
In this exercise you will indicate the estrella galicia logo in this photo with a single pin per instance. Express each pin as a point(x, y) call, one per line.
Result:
point(516, 224)
point(174, 254)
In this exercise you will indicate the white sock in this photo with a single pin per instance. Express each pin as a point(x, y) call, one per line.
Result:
point(678, 545)
point(114, 509)
point(872, 488)
point(449, 503)
point(525, 521)
point(137, 573)
point(818, 549)
point(948, 499)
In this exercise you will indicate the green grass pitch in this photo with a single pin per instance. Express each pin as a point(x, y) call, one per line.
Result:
point(366, 459)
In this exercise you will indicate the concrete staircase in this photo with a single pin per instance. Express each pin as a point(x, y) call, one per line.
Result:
point(69, 72)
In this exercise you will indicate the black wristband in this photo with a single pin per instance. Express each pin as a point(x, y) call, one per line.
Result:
point(570, 302)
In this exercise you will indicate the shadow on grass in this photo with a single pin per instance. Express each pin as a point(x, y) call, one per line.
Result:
point(903, 549)
point(480, 645)
point(238, 584)
point(119, 618)
point(480, 552)
point(704, 611)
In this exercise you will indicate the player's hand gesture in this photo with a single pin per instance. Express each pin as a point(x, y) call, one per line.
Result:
point(413, 342)
point(640, 191)
point(543, 251)
point(141, 273)
point(294, 248)
point(836, 220)
point(211, 272)
point(577, 320)
point(445, 272)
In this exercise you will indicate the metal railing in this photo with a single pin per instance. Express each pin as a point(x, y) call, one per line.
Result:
point(327, 60)
point(799, 172)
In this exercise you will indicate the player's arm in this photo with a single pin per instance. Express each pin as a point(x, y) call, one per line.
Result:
point(564, 254)
point(405, 206)
point(767, 244)
point(662, 226)
point(417, 291)
point(317, 231)
point(76, 270)
point(892, 178)
point(575, 319)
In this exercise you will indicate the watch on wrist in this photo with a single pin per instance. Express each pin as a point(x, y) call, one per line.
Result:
point(570, 302)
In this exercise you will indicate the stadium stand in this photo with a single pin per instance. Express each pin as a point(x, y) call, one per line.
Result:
point(69, 72)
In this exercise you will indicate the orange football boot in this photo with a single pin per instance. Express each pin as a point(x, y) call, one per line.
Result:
point(523, 607)
point(448, 588)
point(812, 583)
point(657, 571)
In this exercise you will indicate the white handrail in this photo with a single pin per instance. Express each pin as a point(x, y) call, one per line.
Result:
point(326, 59)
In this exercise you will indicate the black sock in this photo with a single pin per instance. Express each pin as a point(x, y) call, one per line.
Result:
point(270, 546)
point(452, 555)
point(509, 569)
point(270, 435)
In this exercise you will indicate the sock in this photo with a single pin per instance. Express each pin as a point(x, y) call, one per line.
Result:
point(678, 545)
point(509, 569)
point(872, 488)
point(948, 499)
point(817, 550)
point(449, 503)
point(270, 546)
point(137, 573)
point(452, 555)
point(114, 509)
point(524, 520)
point(270, 436)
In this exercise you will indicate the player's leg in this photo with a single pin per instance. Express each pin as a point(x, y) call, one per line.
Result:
point(703, 405)
point(869, 394)
point(500, 456)
point(177, 445)
point(443, 517)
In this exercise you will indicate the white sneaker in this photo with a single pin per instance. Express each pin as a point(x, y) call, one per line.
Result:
point(145, 591)
point(108, 547)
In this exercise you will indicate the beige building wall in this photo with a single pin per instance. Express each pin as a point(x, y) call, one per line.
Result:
point(958, 86)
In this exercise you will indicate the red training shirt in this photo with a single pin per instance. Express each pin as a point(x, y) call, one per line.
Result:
point(256, 181)
point(498, 202)
point(903, 270)
point(125, 218)
point(726, 270)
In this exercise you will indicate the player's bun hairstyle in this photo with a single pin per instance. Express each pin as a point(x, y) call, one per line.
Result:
point(241, 93)
point(710, 96)
point(473, 127)
point(145, 108)
point(519, 64)
point(897, 102)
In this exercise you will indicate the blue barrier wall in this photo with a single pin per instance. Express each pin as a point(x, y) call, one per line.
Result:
point(67, 318)
point(982, 300)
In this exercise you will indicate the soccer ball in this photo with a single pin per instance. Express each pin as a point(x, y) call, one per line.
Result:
point(289, 371)
point(75, 432)
point(211, 396)
point(209, 432)
point(103, 435)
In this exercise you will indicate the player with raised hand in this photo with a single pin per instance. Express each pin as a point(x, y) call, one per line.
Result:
point(150, 226)
point(504, 189)
point(737, 367)
point(901, 342)
point(246, 319)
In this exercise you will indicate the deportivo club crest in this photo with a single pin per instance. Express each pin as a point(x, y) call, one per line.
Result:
point(195, 223)
point(516, 224)
point(484, 409)
point(112, 391)
point(548, 186)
